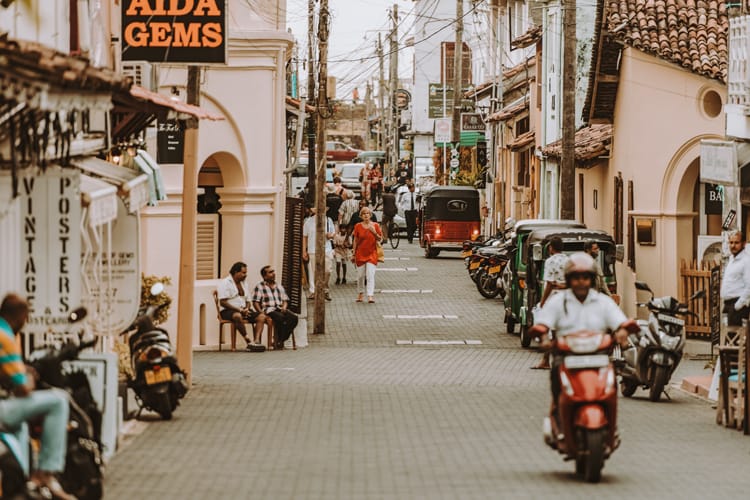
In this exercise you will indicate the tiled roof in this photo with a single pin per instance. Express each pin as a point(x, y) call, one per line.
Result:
point(509, 82)
point(532, 35)
point(509, 112)
point(511, 72)
point(591, 142)
point(522, 141)
point(690, 33)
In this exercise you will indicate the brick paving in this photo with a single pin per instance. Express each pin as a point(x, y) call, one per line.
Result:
point(354, 416)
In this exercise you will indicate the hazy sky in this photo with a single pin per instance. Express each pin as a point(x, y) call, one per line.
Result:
point(354, 33)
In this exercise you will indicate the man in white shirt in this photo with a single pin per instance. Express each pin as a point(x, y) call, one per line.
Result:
point(554, 281)
point(408, 203)
point(735, 284)
point(308, 251)
point(234, 298)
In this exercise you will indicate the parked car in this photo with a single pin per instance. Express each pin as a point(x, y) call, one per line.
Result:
point(338, 151)
point(371, 156)
point(350, 177)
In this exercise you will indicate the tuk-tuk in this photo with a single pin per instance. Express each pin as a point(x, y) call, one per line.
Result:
point(516, 270)
point(536, 251)
point(448, 215)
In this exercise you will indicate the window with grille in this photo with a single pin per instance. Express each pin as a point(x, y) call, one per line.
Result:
point(447, 59)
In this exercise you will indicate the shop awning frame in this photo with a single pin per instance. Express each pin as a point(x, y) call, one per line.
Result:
point(132, 185)
point(100, 200)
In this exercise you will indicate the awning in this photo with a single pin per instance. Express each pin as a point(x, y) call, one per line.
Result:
point(590, 143)
point(100, 198)
point(132, 185)
point(522, 141)
point(510, 111)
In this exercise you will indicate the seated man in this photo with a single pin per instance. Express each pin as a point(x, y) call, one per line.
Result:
point(270, 298)
point(51, 405)
point(233, 298)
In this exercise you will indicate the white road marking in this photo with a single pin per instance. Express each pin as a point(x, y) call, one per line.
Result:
point(398, 258)
point(419, 316)
point(404, 291)
point(397, 269)
point(438, 342)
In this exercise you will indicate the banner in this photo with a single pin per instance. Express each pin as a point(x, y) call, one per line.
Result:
point(187, 31)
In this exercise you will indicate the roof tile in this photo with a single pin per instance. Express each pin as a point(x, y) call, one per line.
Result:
point(590, 143)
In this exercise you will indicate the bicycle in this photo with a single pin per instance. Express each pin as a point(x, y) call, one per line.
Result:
point(393, 234)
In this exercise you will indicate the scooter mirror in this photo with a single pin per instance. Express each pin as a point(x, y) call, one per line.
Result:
point(157, 288)
point(77, 314)
point(640, 285)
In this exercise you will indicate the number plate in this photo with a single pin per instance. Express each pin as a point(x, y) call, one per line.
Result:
point(159, 376)
point(592, 361)
point(474, 265)
point(495, 269)
point(671, 319)
point(465, 253)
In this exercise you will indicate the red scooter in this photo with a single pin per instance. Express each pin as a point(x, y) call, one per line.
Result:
point(586, 427)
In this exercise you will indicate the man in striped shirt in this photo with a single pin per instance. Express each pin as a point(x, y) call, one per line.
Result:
point(270, 298)
point(51, 404)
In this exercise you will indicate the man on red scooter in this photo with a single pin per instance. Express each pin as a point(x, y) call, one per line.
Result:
point(579, 307)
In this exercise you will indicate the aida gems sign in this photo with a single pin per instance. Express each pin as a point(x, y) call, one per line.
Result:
point(186, 31)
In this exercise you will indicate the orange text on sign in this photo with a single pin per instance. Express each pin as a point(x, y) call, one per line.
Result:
point(138, 34)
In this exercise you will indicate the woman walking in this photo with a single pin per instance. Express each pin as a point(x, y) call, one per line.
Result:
point(367, 235)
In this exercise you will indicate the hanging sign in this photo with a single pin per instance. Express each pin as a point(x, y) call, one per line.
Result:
point(186, 31)
point(472, 122)
point(51, 247)
point(718, 162)
point(443, 129)
point(169, 142)
point(714, 200)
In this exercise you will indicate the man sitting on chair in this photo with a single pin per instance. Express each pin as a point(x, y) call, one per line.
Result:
point(270, 298)
point(234, 300)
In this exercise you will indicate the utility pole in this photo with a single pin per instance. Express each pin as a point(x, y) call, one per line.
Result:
point(392, 111)
point(381, 89)
point(321, 283)
point(188, 230)
point(368, 110)
point(458, 71)
point(567, 162)
point(311, 98)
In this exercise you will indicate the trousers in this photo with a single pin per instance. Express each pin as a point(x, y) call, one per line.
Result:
point(284, 323)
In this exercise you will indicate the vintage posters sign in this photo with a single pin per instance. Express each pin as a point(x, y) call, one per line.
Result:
point(187, 31)
point(51, 247)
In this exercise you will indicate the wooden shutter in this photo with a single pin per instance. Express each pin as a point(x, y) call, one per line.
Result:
point(631, 228)
point(291, 278)
point(207, 247)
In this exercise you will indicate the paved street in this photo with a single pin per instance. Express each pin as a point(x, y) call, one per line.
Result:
point(358, 416)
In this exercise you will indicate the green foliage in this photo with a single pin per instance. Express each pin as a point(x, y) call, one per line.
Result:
point(163, 298)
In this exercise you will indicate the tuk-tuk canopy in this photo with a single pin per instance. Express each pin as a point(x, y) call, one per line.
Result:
point(569, 235)
point(532, 224)
point(451, 203)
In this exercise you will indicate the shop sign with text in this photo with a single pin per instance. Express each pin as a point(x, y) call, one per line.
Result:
point(187, 31)
point(169, 142)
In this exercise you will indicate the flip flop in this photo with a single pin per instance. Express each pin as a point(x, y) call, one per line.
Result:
point(360, 298)
point(370, 300)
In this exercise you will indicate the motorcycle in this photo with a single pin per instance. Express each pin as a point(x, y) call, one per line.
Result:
point(489, 271)
point(585, 429)
point(158, 382)
point(655, 351)
point(82, 476)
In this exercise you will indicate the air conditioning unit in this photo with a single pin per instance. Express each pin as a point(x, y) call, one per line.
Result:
point(142, 73)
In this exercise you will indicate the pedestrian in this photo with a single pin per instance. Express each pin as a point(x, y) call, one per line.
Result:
point(271, 299)
point(389, 211)
point(308, 251)
point(554, 281)
point(356, 219)
point(348, 208)
point(341, 254)
point(50, 407)
point(334, 199)
point(367, 234)
point(591, 247)
point(408, 203)
point(364, 179)
point(735, 284)
point(376, 185)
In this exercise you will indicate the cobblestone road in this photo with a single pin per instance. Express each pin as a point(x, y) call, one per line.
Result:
point(356, 416)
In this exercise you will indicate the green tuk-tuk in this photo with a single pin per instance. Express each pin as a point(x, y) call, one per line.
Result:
point(536, 251)
point(515, 280)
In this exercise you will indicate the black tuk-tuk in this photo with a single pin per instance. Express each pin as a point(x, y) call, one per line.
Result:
point(515, 277)
point(448, 215)
point(536, 251)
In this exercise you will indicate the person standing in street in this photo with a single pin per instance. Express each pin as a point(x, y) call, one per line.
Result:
point(389, 211)
point(29, 403)
point(408, 203)
point(365, 181)
point(591, 247)
point(308, 251)
point(554, 281)
point(341, 254)
point(270, 298)
point(735, 284)
point(367, 235)
point(376, 185)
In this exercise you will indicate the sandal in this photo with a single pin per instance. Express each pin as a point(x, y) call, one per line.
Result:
point(371, 300)
point(360, 297)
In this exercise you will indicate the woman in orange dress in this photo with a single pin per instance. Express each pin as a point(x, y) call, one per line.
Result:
point(366, 236)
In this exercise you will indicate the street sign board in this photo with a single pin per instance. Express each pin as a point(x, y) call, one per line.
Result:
point(435, 101)
point(718, 162)
point(472, 122)
point(169, 142)
point(443, 128)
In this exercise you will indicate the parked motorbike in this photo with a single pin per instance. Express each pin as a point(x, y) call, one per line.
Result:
point(82, 476)
point(494, 260)
point(585, 429)
point(655, 351)
point(158, 382)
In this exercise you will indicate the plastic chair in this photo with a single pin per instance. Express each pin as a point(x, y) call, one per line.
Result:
point(222, 322)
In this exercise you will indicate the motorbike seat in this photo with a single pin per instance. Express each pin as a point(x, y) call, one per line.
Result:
point(151, 336)
point(140, 346)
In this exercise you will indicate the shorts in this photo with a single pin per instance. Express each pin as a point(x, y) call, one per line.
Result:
point(227, 315)
point(342, 256)
point(328, 260)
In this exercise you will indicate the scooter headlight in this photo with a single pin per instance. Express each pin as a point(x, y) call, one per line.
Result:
point(669, 342)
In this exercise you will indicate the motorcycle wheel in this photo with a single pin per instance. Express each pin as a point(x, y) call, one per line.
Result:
point(486, 285)
point(13, 482)
point(163, 405)
point(628, 388)
point(594, 460)
point(525, 337)
point(82, 476)
point(661, 377)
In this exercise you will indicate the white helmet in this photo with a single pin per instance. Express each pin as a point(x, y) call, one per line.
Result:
point(580, 262)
